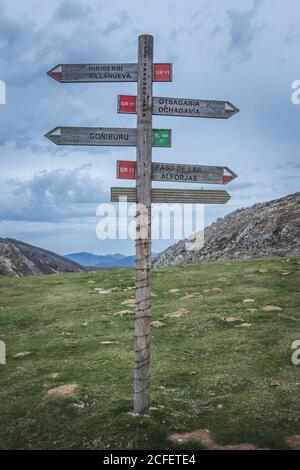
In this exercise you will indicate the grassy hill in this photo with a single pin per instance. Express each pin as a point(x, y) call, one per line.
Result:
point(224, 365)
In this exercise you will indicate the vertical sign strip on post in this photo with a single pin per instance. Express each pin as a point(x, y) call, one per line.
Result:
point(143, 224)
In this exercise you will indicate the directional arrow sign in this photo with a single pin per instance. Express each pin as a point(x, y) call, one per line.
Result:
point(83, 73)
point(181, 107)
point(105, 136)
point(194, 196)
point(93, 136)
point(179, 173)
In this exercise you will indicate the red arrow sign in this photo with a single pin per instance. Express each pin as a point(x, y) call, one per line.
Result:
point(180, 107)
point(179, 173)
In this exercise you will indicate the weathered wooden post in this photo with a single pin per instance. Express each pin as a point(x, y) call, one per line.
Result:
point(144, 73)
point(143, 224)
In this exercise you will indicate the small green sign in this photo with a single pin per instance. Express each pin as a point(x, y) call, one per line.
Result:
point(161, 137)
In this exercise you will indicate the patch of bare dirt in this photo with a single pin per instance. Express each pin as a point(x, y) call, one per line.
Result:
point(180, 313)
point(62, 391)
point(173, 291)
point(248, 301)
point(205, 439)
point(294, 442)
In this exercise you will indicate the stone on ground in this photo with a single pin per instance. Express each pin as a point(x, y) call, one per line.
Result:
point(157, 323)
point(180, 313)
point(271, 308)
point(129, 302)
point(22, 354)
point(62, 391)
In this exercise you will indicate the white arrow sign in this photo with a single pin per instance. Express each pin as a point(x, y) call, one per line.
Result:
point(108, 136)
point(181, 107)
point(83, 73)
point(184, 196)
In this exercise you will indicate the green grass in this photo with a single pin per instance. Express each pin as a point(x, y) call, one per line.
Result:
point(198, 362)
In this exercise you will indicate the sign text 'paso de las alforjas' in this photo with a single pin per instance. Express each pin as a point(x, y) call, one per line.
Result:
point(179, 172)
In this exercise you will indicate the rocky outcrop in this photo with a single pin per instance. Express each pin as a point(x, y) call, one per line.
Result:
point(263, 230)
point(20, 259)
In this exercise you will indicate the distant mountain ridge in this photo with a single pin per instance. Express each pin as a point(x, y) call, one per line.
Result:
point(21, 259)
point(263, 230)
point(89, 259)
point(110, 261)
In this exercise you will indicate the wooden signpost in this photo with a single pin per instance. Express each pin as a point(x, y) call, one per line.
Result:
point(144, 171)
point(143, 225)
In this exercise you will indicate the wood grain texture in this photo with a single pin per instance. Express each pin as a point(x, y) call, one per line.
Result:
point(189, 196)
point(143, 225)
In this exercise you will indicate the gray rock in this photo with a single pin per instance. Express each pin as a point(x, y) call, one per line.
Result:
point(263, 230)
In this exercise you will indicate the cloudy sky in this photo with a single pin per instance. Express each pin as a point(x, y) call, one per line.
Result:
point(245, 51)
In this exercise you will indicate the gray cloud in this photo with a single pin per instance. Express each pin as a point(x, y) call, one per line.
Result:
point(28, 51)
point(71, 10)
point(292, 38)
point(53, 195)
point(290, 164)
point(243, 30)
point(118, 24)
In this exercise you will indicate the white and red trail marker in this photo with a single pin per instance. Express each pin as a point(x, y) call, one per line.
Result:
point(182, 107)
point(97, 73)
